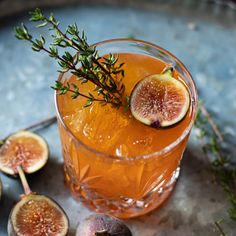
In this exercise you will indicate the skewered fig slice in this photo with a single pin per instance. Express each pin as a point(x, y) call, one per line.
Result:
point(159, 100)
point(25, 149)
point(37, 215)
point(102, 225)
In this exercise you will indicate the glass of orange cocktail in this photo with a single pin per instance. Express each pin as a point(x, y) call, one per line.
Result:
point(113, 163)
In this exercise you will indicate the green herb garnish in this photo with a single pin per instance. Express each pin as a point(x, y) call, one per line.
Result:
point(104, 72)
point(222, 165)
point(218, 228)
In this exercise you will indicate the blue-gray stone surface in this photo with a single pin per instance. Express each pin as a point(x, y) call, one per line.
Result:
point(203, 37)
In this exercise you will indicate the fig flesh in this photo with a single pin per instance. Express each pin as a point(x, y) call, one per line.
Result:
point(102, 225)
point(159, 100)
point(25, 149)
point(37, 215)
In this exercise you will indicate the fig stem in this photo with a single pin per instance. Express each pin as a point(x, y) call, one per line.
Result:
point(42, 124)
point(168, 71)
point(211, 122)
point(2, 141)
point(24, 181)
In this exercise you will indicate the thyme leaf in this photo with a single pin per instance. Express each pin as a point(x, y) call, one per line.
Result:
point(104, 72)
point(222, 166)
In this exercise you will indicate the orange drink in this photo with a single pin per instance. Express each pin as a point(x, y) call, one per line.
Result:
point(113, 163)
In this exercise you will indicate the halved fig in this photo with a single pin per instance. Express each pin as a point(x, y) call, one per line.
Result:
point(25, 149)
point(37, 215)
point(102, 225)
point(159, 100)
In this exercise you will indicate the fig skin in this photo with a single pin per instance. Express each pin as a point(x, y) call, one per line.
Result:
point(102, 225)
point(12, 231)
point(28, 155)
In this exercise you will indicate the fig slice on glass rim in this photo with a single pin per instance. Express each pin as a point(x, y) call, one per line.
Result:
point(160, 100)
point(25, 149)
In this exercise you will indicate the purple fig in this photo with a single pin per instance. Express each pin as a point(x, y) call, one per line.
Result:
point(102, 225)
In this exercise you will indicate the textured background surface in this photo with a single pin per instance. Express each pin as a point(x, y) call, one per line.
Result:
point(202, 35)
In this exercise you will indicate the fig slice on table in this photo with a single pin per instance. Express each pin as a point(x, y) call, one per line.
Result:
point(159, 100)
point(102, 225)
point(37, 215)
point(25, 149)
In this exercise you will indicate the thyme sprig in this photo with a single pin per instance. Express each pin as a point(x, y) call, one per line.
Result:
point(218, 228)
point(104, 72)
point(221, 163)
